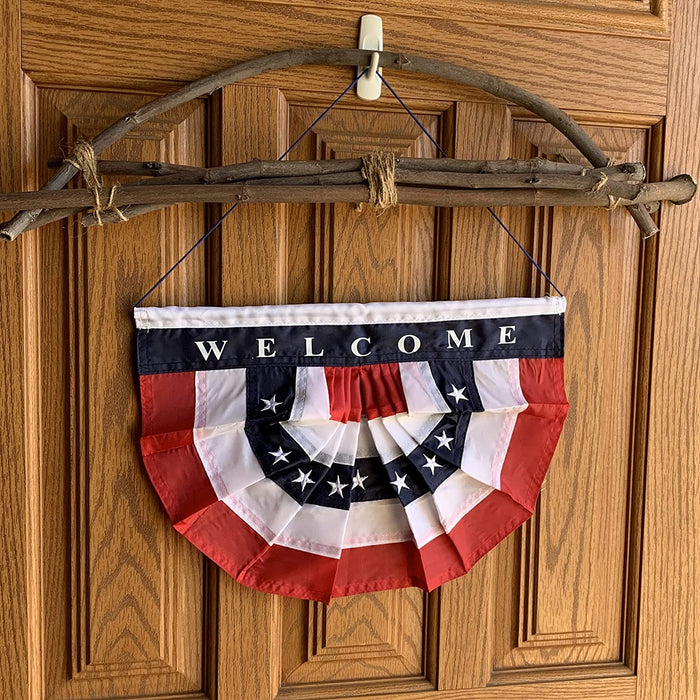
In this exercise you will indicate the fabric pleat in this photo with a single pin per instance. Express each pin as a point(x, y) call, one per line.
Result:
point(318, 481)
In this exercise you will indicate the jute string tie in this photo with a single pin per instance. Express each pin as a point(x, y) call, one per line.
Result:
point(602, 181)
point(84, 159)
point(379, 170)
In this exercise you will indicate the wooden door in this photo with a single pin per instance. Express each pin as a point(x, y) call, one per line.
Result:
point(595, 597)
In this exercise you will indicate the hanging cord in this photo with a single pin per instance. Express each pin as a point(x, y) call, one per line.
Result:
point(220, 220)
point(489, 209)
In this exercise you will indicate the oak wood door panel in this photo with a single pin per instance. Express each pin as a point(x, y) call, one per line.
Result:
point(543, 603)
point(123, 607)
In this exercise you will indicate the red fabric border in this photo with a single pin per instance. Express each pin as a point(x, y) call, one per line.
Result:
point(537, 430)
point(232, 544)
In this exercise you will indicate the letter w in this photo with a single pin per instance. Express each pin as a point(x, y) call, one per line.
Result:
point(213, 348)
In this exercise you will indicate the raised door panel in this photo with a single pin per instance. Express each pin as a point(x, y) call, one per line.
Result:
point(307, 253)
point(121, 602)
point(557, 600)
point(576, 570)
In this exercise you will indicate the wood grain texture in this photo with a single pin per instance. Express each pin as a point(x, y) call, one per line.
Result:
point(180, 41)
point(17, 580)
point(669, 655)
point(566, 610)
point(398, 689)
point(618, 17)
point(99, 600)
point(253, 238)
point(130, 587)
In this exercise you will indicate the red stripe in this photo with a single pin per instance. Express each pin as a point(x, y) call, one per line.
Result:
point(232, 544)
point(174, 467)
point(167, 402)
point(171, 459)
point(536, 431)
point(372, 390)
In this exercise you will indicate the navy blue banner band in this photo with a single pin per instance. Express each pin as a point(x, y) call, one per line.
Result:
point(195, 349)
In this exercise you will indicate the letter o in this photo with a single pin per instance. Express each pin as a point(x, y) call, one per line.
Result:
point(402, 344)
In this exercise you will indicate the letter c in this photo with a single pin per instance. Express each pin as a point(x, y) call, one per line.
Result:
point(355, 350)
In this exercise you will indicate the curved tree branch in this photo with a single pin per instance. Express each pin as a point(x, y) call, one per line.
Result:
point(333, 56)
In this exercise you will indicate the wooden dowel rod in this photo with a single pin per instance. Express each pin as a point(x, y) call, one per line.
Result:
point(674, 190)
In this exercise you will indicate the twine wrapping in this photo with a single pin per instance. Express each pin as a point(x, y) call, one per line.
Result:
point(379, 170)
point(602, 181)
point(84, 159)
point(613, 202)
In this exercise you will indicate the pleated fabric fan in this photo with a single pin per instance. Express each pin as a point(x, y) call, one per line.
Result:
point(323, 450)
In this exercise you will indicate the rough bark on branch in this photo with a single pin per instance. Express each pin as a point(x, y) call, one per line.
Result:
point(333, 56)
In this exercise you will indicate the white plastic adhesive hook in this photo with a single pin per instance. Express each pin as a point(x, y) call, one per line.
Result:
point(369, 86)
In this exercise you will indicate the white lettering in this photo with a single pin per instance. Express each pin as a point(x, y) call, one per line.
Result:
point(506, 332)
point(265, 347)
point(402, 344)
point(310, 349)
point(213, 349)
point(355, 347)
point(465, 338)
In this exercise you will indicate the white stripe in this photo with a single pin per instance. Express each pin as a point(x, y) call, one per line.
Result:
point(347, 450)
point(376, 522)
point(486, 444)
point(456, 496)
point(383, 441)
point(227, 458)
point(220, 397)
point(365, 441)
point(266, 507)
point(420, 390)
point(344, 314)
point(498, 383)
point(299, 394)
point(328, 454)
point(311, 401)
point(314, 437)
point(424, 519)
point(419, 427)
point(315, 529)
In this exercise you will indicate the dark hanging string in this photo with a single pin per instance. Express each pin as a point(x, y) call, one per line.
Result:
point(228, 211)
point(489, 209)
point(221, 219)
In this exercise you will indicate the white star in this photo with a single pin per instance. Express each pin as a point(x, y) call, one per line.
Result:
point(359, 481)
point(431, 463)
point(280, 455)
point(399, 482)
point(458, 394)
point(443, 440)
point(271, 404)
point(336, 487)
point(303, 479)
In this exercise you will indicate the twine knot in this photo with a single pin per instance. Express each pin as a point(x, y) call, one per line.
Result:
point(379, 170)
point(602, 181)
point(84, 159)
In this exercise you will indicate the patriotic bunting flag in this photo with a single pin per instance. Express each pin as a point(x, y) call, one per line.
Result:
point(323, 450)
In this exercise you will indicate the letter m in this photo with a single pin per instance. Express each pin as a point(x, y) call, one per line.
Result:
point(465, 338)
point(216, 347)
